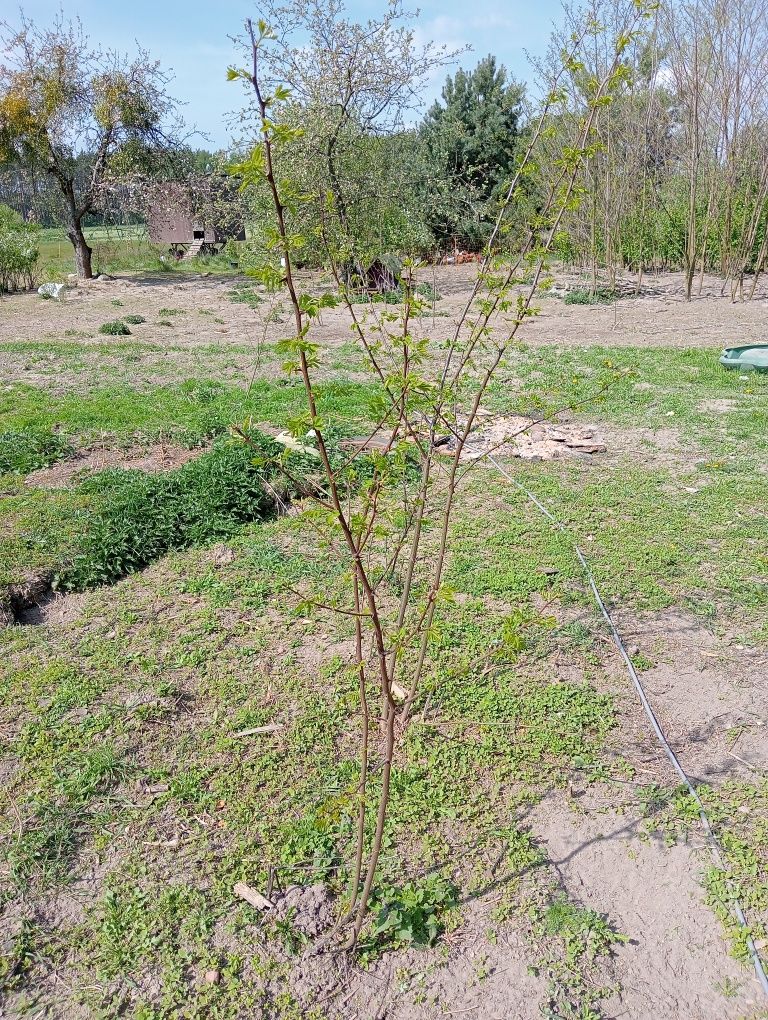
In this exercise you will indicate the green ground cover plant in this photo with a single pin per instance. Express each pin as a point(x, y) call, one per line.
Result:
point(598, 296)
point(115, 328)
point(137, 518)
point(27, 449)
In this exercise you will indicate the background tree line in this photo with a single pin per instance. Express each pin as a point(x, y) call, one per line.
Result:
point(678, 178)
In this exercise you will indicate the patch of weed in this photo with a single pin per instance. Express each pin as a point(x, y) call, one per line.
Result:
point(115, 328)
point(598, 296)
point(28, 449)
point(737, 811)
point(245, 294)
point(138, 517)
point(410, 914)
point(424, 293)
point(584, 932)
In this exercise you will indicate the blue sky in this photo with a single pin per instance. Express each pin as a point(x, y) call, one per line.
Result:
point(192, 38)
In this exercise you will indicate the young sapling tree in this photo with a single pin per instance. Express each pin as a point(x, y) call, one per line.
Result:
point(386, 504)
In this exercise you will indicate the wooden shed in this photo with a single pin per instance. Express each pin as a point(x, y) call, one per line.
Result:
point(191, 228)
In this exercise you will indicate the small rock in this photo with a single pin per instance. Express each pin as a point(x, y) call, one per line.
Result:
point(52, 290)
point(212, 977)
point(633, 650)
point(104, 278)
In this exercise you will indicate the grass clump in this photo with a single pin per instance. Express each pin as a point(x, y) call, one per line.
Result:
point(26, 450)
point(138, 518)
point(114, 328)
point(585, 296)
point(134, 320)
point(166, 313)
point(245, 294)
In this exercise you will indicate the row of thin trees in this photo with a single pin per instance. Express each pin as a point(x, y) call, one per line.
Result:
point(678, 178)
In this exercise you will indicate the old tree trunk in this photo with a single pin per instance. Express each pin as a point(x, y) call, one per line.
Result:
point(74, 214)
point(83, 251)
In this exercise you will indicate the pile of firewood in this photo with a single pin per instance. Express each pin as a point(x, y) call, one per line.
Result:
point(460, 258)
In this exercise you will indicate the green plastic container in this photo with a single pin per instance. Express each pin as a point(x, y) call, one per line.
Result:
point(749, 358)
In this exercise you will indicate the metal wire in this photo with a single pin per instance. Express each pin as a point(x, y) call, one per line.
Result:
point(714, 845)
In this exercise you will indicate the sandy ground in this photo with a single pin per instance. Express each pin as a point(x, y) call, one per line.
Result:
point(659, 316)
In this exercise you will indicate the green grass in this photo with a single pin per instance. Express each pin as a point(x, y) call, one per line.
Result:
point(650, 541)
point(124, 724)
point(120, 249)
point(189, 412)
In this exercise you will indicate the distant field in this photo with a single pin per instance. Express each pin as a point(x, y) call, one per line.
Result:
point(115, 249)
point(110, 244)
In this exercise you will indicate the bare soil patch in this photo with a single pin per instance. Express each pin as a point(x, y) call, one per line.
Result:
point(23, 595)
point(708, 691)
point(205, 315)
point(152, 459)
point(724, 406)
point(675, 964)
point(468, 975)
point(53, 609)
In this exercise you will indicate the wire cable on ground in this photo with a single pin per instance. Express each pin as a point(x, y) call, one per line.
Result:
point(715, 846)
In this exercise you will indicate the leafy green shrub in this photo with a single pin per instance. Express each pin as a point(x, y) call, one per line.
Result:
point(27, 450)
point(19, 251)
point(116, 328)
point(134, 320)
point(600, 296)
point(137, 518)
point(164, 313)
